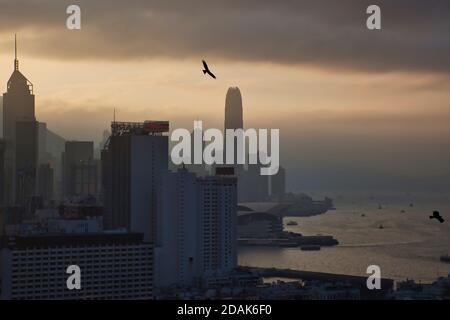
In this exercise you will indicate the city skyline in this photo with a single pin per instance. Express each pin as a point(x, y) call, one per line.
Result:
point(339, 190)
point(342, 112)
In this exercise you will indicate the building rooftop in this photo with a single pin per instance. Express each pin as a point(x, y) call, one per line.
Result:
point(58, 240)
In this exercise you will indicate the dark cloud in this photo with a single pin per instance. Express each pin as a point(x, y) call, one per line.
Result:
point(415, 33)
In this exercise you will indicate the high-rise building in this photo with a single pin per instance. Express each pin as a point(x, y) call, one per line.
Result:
point(2, 171)
point(26, 155)
point(133, 162)
point(196, 230)
point(18, 105)
point(234, 120)
point(233, 109)
point(55, 146)
point(45, 182)
point(177, 251)
point(218, 219)
point(79, 171)
point(199, 169)
point(1, 117)
point(85, 177)
point(43, 156)
point(113, 266)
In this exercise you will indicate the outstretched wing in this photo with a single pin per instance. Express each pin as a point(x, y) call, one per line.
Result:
point(205, 65)
point(211, 74)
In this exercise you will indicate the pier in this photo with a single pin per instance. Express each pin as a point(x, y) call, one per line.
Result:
point(387, 285)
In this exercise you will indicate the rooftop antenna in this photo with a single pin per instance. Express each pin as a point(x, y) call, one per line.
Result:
point(16, 62)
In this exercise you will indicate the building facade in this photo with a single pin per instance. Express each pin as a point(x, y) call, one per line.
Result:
point(26, 155)
point(196, 228)
point(113, 266)
point(78, 165)
point(177, 252)
point(45, 178)
point(133, 163)
point(2, 172)
point(218, 219)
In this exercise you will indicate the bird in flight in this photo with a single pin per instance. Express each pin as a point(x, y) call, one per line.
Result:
point(437, 216)
point(206, 69)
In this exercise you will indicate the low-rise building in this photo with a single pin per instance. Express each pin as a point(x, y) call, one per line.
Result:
point(260, 225)
point(112, 266)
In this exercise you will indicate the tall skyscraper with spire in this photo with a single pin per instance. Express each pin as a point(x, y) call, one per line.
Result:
point(233, 109)
point(233, 117)
point(20, 133)
point(234, 120)
point(251, 186)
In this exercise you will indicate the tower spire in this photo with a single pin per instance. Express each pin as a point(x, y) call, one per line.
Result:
point(16, 62)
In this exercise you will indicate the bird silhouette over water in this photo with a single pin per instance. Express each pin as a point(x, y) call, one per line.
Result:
point(206, 69)
point(436, 215)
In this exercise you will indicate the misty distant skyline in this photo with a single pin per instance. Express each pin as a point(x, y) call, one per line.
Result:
point(356, 109)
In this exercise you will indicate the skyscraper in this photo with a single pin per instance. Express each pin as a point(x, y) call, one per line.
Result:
point(218, 200)
point(198, 169)
point(234, 120)
point(177, 252)
point(26, 155)
point(233, 109)
point(43, 156)
point(45, 175)
point(18, 105)
point(2, 171)
point(1, 117)
point(79, 171)
point(133, 163)
point(196, 236)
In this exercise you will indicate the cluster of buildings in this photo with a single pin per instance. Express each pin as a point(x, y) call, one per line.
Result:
point(411, 290)
point(135, 226)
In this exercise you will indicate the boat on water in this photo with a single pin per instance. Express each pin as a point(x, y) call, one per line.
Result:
point(381, 227)
point(363, 215)
point(445, 258)
point(310, 248)
point(292, 223)
point(411, 205)
point(403, 211)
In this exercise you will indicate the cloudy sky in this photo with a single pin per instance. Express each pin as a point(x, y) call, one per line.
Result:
point(357, 109)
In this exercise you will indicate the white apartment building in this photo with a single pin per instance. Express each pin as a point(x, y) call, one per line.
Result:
point(218, 219)
point(196, 228)
point(177, 251)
